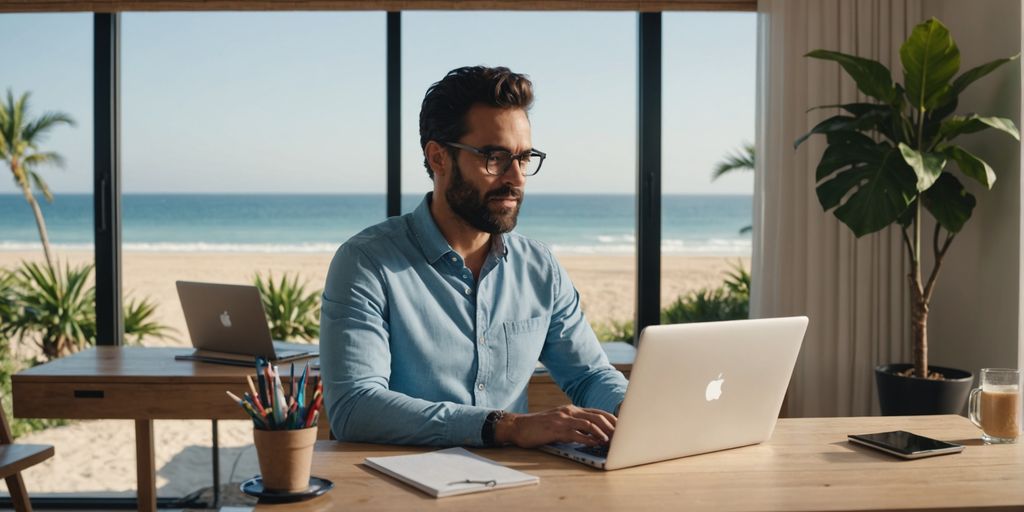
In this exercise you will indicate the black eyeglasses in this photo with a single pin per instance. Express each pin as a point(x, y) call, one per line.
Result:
point(498, 161)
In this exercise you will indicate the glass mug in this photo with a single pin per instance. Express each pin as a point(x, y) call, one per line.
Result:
point(995, 407)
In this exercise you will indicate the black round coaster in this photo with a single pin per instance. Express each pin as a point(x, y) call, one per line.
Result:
point(317, 486)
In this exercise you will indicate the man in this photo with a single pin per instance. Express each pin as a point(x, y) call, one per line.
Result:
point(433, 322)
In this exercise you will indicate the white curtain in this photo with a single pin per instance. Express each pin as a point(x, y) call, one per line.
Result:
point(805, 262)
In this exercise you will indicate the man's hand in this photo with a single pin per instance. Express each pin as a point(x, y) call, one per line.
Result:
point(565, 424)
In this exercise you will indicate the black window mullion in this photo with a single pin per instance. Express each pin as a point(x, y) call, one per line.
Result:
point(648, 187)
point(107, 178)
point(394, 114)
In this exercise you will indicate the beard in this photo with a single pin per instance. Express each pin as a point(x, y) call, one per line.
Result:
point(474, 207)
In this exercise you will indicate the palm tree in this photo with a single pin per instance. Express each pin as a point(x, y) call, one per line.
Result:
point(19, 149)
point(742, 160)
point(735, 161)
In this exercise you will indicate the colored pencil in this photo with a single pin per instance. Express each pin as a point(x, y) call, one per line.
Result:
point(291, 380)
point(272, 407)
point(256, 396)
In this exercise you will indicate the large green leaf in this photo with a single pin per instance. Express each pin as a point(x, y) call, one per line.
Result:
point(844, 149)
point(959, 125)
point(857, 109)
point(930, 59)
point(840, 123)
point(872, 77)
point(949, 202)
point(969, 76)
point(971, 165)
point(872, 190)
point(831, 192)
point(927, 166)
point(943, 110)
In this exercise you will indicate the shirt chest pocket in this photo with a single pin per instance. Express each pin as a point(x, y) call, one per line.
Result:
point(524, 340)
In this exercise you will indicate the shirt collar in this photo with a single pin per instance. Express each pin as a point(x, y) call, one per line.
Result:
point(434, 244)
point(499, 246)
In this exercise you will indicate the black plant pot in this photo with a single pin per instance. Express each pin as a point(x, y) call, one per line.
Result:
point(905, 396)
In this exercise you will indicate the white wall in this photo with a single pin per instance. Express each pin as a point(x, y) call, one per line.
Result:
point(976, 311)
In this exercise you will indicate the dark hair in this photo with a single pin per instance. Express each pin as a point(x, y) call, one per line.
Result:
point(444, 108)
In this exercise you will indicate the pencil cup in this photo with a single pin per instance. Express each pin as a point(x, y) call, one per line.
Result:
point(285, 458)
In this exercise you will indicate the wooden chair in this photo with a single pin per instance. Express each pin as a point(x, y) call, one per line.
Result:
point(16, 457)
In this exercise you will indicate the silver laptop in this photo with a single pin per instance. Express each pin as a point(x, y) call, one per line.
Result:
point(698, 388)
point(227, 325)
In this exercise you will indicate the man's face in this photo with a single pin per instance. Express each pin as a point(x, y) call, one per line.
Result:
point(487, 202)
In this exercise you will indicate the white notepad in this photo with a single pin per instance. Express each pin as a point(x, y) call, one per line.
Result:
point(445, 472)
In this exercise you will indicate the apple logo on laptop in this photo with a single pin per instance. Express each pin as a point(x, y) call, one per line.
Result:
point(714, 389)
point(225, 319)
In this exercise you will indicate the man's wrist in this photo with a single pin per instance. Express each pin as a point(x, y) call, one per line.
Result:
point(504, 429)
point(488, 431)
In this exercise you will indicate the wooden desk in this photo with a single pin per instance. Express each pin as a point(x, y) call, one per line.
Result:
point(146, 384)
point(807, 465)
point(130, 383)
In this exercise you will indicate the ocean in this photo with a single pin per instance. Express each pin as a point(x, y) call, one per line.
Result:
point(569, 224)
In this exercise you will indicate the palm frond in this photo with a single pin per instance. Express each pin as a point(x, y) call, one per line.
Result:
point(736, 160)
point(39, 126)
point(6, 126)
point(44, 158)
point(5, 108)
point(139, 323)
point(18, 112)
point(41, 185)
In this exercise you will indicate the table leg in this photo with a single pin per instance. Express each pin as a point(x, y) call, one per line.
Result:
point(216, 467)
point(145, 458)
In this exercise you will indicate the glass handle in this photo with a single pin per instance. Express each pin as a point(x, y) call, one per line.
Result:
point(972, 408)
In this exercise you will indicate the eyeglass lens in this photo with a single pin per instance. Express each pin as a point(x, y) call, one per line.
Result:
point(500, 161)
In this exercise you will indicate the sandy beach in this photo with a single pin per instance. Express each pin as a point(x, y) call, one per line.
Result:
point(99, 455)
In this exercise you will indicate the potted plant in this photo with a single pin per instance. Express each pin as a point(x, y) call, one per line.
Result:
point(887, 162)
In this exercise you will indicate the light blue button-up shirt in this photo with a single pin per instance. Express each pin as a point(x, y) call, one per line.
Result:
point(415, 351)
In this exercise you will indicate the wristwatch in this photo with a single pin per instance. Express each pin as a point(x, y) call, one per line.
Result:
point(490, 426)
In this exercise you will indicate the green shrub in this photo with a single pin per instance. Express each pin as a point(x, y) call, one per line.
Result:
point(55, 304)
point(8, 366)
point(139, 323)
point(56, 309)
point(615, 331)
point(730, 301)
point(292, 312)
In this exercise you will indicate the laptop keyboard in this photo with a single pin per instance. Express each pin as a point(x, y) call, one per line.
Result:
point(597, 451)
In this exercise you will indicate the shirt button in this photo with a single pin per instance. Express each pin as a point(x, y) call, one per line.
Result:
point(480, 386)
point(454, 259)
point(469, 291)
point(482, 340)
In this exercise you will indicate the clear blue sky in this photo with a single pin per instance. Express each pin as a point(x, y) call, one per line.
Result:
point(295, 102)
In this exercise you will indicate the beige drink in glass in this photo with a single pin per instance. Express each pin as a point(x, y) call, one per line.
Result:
point(995, 407)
